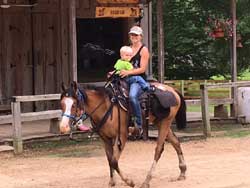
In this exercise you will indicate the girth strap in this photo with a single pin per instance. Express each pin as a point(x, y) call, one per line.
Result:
point(104, 119)
point(96, 128)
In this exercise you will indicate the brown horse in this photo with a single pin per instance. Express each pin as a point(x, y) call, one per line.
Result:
point(106, 116)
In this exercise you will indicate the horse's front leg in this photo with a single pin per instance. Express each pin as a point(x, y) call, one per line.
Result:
point(109, 154)
point(162, 134)
point(113, 154)
point(116, 155)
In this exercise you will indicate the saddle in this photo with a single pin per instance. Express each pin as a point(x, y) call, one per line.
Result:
point(118, 89)
point(157, 102)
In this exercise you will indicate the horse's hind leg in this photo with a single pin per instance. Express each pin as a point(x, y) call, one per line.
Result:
point(176, 144)
point(163, 132)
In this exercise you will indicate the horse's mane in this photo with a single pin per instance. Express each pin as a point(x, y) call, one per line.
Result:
point(100, 90)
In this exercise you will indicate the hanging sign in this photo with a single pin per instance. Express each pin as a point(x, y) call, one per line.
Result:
point(118, 1)
point(117, 12)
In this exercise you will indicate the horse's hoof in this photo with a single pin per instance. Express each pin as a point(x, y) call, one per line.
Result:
point(111, 183)
point(181, 177)
point(130, 183)
point(145, 185)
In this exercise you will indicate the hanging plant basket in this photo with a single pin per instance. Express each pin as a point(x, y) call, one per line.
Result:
point(219, 28)
point(218, 33)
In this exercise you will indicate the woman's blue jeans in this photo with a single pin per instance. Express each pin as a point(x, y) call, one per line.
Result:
point(134, 93)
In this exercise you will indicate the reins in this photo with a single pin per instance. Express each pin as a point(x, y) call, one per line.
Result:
point(95, 126)
point(83, 117)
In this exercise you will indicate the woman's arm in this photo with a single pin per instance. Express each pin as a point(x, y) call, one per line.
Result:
point(143, 64)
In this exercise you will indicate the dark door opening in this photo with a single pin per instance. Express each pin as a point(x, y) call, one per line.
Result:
point(98, 44)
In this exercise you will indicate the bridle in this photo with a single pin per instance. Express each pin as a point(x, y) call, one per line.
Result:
point(81, 98)
point(84, 115)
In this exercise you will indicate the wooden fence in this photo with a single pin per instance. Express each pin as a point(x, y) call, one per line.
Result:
point(190, 89)
point(17, 117)
point(205, 101)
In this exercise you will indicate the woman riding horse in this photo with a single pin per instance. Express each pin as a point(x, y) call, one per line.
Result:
point(110, 121)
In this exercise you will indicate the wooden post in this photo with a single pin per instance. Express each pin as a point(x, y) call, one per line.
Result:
point(72, 39)
point(234, 106)
point(17, 127)
point(160, 41)
point(205, 111)
point(182, 87)
point(54, 126)
point(146, 24)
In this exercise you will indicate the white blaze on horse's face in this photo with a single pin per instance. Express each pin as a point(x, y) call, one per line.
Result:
point(66, 104)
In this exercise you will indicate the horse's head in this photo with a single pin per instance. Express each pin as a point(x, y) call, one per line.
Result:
point(72, 105)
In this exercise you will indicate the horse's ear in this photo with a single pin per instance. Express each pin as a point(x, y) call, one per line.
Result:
point(74, 86)
point(63, 86)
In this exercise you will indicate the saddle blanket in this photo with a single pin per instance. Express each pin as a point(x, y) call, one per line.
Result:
point(166, 98)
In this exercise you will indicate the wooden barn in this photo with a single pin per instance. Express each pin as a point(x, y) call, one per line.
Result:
point(46, 42)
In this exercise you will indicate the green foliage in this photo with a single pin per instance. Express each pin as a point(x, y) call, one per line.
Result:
point(238, 134)
point(190, 52)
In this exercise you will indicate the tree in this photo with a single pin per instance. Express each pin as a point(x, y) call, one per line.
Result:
point(190, 52)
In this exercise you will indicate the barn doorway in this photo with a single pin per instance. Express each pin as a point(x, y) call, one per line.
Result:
point(98, 44)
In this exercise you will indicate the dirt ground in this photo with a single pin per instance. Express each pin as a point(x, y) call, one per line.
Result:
point(215, 163)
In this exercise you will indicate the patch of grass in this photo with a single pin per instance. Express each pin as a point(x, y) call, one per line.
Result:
point(238, 133)
point(217, 77)
point(245, 75)
point(197, 108)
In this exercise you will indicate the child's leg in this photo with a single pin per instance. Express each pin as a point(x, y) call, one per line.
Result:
point(144, 85)
point(131, 79)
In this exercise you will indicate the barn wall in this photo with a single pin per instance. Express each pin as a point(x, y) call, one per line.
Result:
point(46, 49)
point(85, 8)
point(31, 57)
point(1, 56)
point(64, 65)
point(16, 63)
point(35, 50)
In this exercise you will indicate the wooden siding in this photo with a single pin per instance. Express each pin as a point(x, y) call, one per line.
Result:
point(46, 53)
point(64, 65)
point(30, 51)
point(85, 8)
point(16, 64)
point(1, 56)
point(35, 50)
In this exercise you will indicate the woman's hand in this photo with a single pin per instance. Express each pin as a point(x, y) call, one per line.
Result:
point(110, 74)
point(124, 73)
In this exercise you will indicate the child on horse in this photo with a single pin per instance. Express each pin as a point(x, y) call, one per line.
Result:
point(123, 63)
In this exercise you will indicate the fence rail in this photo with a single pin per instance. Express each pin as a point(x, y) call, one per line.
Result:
point(205, 101)
point(190, 89)
point(17, 117)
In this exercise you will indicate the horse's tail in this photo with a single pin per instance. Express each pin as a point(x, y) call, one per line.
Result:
point(181, 116)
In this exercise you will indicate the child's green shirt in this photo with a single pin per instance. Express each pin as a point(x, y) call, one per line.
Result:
point(122, 65)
